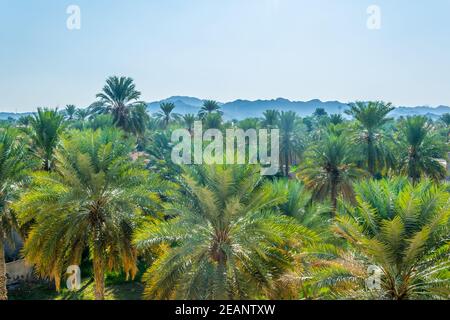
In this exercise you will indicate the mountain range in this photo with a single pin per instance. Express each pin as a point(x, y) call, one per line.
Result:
point(240, 109)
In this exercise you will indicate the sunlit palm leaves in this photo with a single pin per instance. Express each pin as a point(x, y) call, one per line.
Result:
point(401, 229)
point(225, 241)
point(329, 169)
point(12, 170)
point(119, 97)
point(45, 129)
point(92, 200)
point(420, 149)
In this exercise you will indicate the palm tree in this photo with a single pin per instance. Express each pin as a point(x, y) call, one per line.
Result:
point(119, 97)
point(336, 119)
point(188, 121)
point(82, 114)
point(420, 150)
point(271, 119)
point(70, 111)
point(45, 128)
point(445, 119)
point(291, 139)
point(224, 241)
point(329, 169)
point(209, 106)
point(299, 204)
point(400, 229)
point(12, 165)
point(166, 114)
point(371, 116)
point(92, 200)
point(212, 121)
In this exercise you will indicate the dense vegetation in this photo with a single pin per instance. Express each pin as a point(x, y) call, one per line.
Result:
point(96, 187)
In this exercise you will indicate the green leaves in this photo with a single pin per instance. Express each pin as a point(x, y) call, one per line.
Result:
point(94, 198)
point(226, 240)
point(402, 240)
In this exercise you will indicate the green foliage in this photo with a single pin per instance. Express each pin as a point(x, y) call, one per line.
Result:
point(400, 228)
point(93, 199)
point(45, 129)
point(225, 241)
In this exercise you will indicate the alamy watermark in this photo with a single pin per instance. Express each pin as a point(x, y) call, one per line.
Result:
point(373, 281)
point(73, 22)
point(241, 147)
point(374, 19)
point(73, 282)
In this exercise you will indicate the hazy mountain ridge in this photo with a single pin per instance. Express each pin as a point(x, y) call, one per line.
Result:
point(240, 109)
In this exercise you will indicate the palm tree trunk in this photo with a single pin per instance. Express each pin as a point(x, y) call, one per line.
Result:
point(99, 276)
point(333, 197)
point(3, 290)
point(370, 155)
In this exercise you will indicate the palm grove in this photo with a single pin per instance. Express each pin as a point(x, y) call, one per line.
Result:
point(97, 186)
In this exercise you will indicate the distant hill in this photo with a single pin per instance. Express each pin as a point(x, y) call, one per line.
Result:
point(240, 109)
point(13, 115)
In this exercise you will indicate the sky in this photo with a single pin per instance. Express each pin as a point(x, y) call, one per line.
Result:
point(225, 50)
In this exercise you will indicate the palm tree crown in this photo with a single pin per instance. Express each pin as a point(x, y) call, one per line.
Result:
point(12, 170)
point(225, 239)
point(120, 98)
point(92, 200)
point(371, 117)
point(46, 126)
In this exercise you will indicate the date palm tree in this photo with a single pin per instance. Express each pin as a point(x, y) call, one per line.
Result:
point(70, 111)
point(224, 241)
point(371, 116)
point(329, 169)
point(119, 97)
point(401, 230)
point(166, 114)
point(291, 139)
point(188, 121)
point(45, 129)
point(420, 149)
point(271, 119)
point(209, 106)
point(12, 171)
point(92, 200)
point(82, 114)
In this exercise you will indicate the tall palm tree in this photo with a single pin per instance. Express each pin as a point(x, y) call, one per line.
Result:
point(299, 204)
point(445, 119)
point(329, 169)
point(188, 121)
point(119, 97)
point(70, 111)
point(291, 139)
point(82, 114)
point(209, 106)
point(212, 121)
point(45, 128)
point(420, 150)
point(224, 241)
point(371, 116)
point(166, 114)
point(402, 230)
point(12, 170)
point(92, 200)
point(271, 118)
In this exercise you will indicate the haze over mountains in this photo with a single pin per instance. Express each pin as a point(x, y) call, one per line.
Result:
point(240, 109)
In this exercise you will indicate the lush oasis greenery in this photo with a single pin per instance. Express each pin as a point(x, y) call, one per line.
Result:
point(96, 187)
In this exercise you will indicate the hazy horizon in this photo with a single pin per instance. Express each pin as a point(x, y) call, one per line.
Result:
point(225, 50)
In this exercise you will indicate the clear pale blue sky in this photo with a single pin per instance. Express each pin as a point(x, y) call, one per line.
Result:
point(224, 50)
